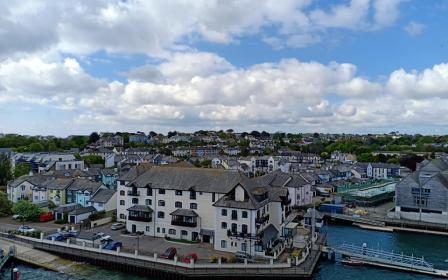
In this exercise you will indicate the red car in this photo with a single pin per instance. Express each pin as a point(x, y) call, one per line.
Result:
point(189, 257)
point(169, 253)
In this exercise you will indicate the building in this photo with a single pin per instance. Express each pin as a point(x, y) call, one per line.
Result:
point(80, 191)
point(28, 187)
point(138, 138)
point(110, 141)
point(423, 195)
point(183, 203)
point(104, 200)
point(57, 190)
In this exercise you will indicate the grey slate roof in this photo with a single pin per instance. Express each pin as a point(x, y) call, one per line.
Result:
point(103, 196)
point(66, 208)
point(83, 210)
point(184, 212)
point(35, 180)
point(59, 184)
point(79, 184)
point(198, 179)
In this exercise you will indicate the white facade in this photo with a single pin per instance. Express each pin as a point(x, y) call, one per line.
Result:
point(22, 191)
point(39, 194)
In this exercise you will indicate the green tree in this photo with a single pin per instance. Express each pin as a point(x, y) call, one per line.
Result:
point(366, 157)
point(21, 169)
point(93, 137)
point(36, 147)
point(5, 205)
point(93, 159)
point(5, 170)
point(26, 209)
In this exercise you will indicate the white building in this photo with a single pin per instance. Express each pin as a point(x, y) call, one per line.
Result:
point(23, 188)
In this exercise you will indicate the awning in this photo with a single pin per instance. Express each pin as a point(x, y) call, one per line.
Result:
point(184, 212)
point(207, 232)
point(140, 208)
point(291, 225)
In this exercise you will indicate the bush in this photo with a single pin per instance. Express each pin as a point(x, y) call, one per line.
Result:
point(233, 259)
point(223, 259)
point(214, 259)
point(27, 210)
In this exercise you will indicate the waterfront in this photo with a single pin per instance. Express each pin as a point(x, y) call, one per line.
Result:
point(434, 248)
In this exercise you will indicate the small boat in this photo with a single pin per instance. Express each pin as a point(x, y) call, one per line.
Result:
point(352, 262)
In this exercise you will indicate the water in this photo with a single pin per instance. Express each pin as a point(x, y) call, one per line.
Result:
point(434, 248)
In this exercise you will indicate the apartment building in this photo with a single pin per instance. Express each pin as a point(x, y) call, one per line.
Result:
point(188, 204)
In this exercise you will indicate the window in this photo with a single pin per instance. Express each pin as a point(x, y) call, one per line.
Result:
point(213, 197)
point(243, 247)
point(172, 231)
point(121, 202)
point(244, 228)
point(161, 203)
point(158, 230)
point(149, 192)
point(122, 216)
point(244, 214)
point(160, 215)
point(148, 202)
point(184, 232)
point(193, 206)
point(234, 215)
point(178, 192)
point(192, 195)
point(122, 193)
point(135, 200)
point(178, 204)
point(224, 212)
point(224, 225)
point(161, 191)
point(147, 228)
point(163, 230)
point(223, 244)
point(234, 227)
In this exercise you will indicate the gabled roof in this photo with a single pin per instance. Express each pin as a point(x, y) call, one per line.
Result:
point(35, 180)
point(59, 184)
point(83, 210)
point(103, 196)
point(80, 184)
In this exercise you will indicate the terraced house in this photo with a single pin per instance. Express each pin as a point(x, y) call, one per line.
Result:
point(188, 204)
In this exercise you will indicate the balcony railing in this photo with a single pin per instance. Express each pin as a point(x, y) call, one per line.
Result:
point(133, 193)
point(183, 223)
point(245, 235)
point(140, 219)
point(262, 220)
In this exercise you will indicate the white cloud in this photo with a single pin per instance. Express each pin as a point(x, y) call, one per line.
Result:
point(213, 92)
point(414, 28)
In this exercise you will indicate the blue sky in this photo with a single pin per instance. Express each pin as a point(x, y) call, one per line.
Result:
point(362, 66)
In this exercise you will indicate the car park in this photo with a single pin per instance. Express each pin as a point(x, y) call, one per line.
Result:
point(26, 229)
point(169, 253)
point(117, 226)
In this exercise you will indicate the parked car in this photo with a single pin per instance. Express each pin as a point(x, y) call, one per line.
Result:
point(169, 253)
point(113, 245)
point(117, 226)
point(241, 256)
point(70, 233)
point(189, 257)
point(26, 229)
point(56, 237)
point(17, 217)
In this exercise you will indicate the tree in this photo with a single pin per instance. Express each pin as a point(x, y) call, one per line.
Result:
point(152, 134)
point(5, 170)
point(36, 147)
point(410, 161)
point(366, 157)
point(172, 133)
point(21, 169)
point(26, 209)
point(5, 205)
point(93, 159)
point(93, 137)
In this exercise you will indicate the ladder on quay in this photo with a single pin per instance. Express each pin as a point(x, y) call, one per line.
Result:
point(385, 259)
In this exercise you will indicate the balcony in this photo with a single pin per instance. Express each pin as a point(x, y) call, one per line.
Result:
point(133, 193)
point(183, 223)
point(262, 220)
point(140, 218)
point(245, 235)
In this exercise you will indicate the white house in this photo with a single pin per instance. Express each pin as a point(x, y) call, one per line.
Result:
point(104, 200)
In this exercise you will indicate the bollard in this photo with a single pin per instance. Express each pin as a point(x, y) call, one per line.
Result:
point(271, 262)
point(288, 260)
point(245, 262)
point(191, 262)
point(155, 256)
point(219, 261)
point(175, 259)
point(297, 260)
point(83, 244)
point(136, 252)
point(118, 250)
point(68, 241)
point(41, 236)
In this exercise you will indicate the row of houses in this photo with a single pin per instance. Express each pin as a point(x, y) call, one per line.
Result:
point(221, 207)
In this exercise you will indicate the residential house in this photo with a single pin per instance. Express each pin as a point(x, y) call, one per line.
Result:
point(104, 200)
point(378, 170)
point(24, 188)
point(80, 191)
point(138, 138)
point(57, 190)
point(109, 177)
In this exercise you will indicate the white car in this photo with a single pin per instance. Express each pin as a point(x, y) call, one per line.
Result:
point(26, 229)
point(16, 217)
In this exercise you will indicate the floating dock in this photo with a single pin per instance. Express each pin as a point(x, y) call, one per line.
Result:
point(385, 259)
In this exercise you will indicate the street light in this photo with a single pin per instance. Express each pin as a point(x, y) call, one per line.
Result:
point(139, 233)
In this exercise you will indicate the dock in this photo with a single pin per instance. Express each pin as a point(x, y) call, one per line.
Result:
point(384, 259)
point(355, 219)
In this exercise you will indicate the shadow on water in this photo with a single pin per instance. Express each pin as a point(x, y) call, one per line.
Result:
point(433, 248)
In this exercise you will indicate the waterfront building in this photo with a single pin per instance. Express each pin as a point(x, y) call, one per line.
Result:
point(183, 203)
point(27, 187)
point(423, 195)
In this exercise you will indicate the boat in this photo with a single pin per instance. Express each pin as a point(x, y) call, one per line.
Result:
point(352, 262)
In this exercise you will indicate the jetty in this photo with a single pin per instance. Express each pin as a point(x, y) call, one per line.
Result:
point(384, 259)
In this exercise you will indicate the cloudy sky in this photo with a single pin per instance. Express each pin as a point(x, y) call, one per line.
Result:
point(71, 67)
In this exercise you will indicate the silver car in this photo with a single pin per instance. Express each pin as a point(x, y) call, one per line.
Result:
point(117, 226)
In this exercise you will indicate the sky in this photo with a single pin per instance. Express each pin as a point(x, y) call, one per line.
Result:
point(360, 66)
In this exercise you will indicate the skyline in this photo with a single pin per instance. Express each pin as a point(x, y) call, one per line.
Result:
point(360, 66)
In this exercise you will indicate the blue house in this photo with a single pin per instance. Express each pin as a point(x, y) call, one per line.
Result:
point(82, 190)
point(109, 177)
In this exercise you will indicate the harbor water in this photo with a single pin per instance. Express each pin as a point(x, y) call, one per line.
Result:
point(433, 248)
